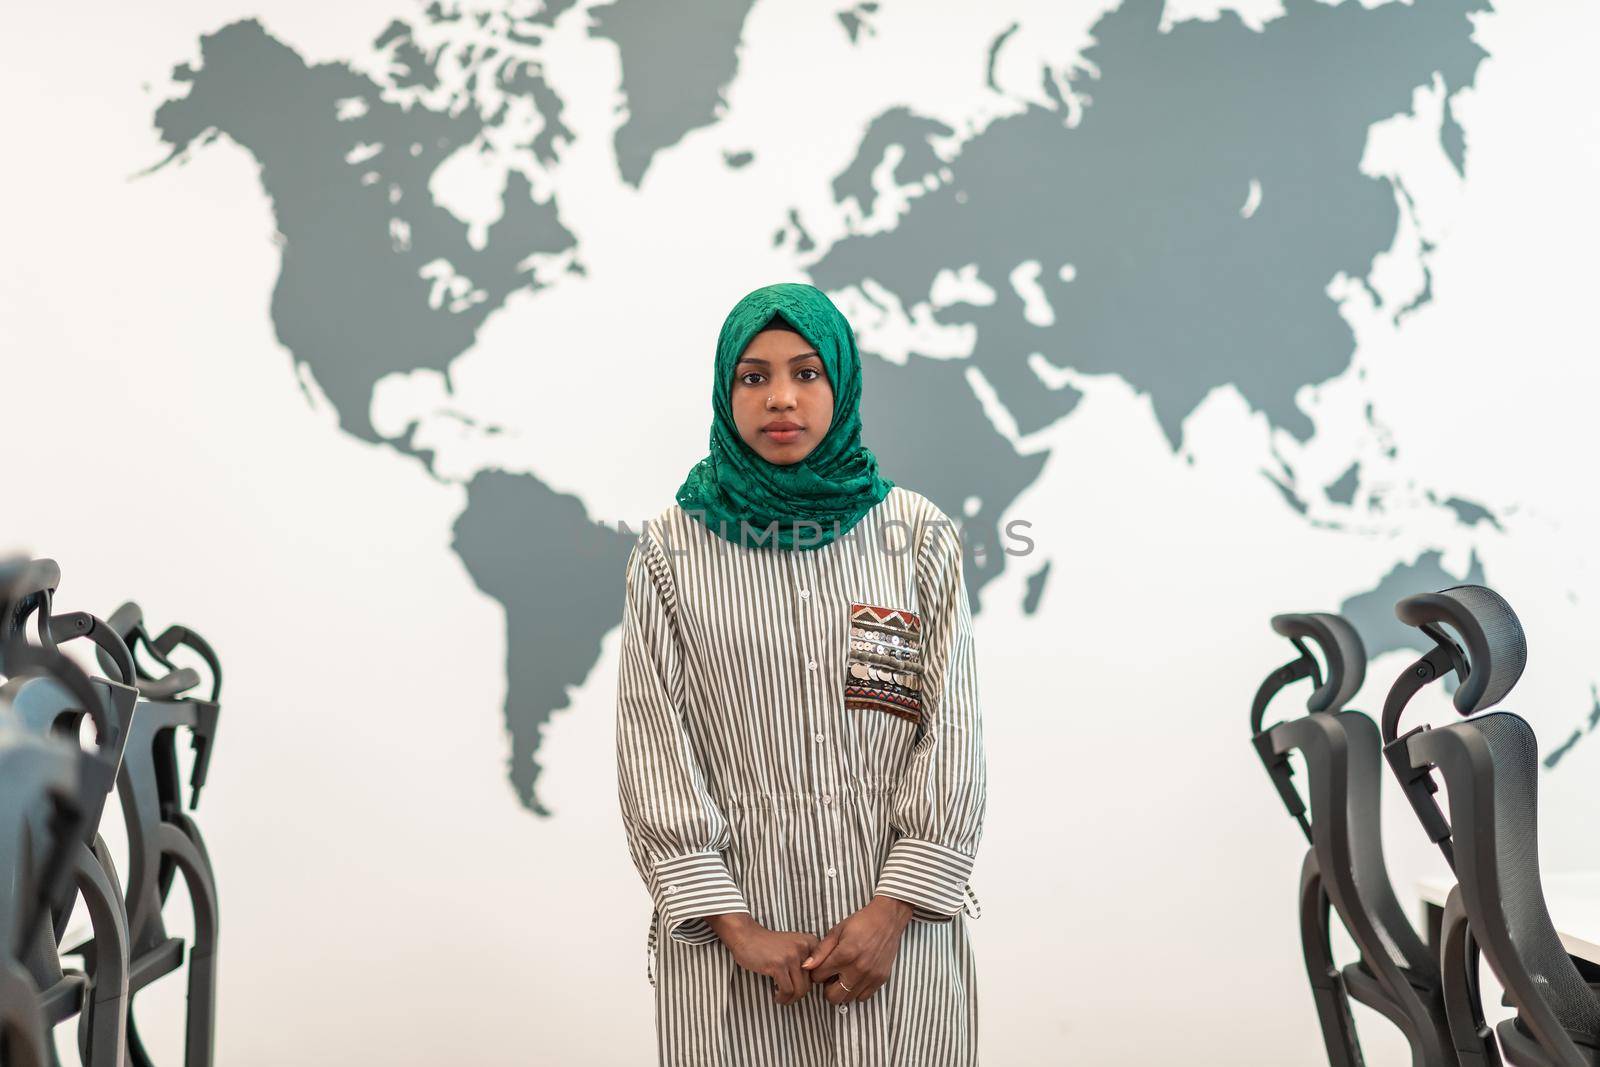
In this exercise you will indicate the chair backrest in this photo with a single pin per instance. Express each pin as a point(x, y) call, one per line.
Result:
point(1347, 666)
point(25, 590)
point(51, 696)
point(136, 717)
point(1346, 661)
point(1342, 754)
point(38, 782)
point(150, 784)
point(1490, 766)
point(1368, 869)
point(1488, 668)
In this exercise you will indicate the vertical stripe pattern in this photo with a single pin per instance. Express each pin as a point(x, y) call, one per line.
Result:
point(747, 783)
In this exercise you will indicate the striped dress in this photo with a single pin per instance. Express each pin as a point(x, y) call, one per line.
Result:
point(796, 731)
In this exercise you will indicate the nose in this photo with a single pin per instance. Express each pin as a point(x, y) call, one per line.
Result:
point(780, 397)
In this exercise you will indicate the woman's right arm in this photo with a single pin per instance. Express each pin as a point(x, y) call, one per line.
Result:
point(676, 833)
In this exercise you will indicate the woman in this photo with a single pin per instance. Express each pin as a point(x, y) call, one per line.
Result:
point(799, 748)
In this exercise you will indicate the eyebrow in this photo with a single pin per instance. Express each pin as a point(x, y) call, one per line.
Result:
point(763, 363)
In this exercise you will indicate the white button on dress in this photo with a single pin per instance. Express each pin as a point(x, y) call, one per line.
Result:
point(713, 776)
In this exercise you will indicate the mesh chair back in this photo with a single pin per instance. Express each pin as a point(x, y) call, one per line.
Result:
point(1505, 857)
point(1365, 847)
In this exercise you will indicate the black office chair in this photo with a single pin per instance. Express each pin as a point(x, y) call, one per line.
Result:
point(1490, 768)
point(1344, 868)
point(50, 696)
point(39, 791)
point(162, 839)
point(48, 790)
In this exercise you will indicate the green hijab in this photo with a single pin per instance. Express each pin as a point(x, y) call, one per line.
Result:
point(833, 486)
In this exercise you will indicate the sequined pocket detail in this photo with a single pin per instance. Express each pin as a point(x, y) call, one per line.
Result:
point(884, 670)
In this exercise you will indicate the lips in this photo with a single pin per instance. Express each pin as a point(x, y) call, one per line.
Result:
point(782, 431)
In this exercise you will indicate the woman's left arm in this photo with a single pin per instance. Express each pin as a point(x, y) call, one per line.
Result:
point(939, 803)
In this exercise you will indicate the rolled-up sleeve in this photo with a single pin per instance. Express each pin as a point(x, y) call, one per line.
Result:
point(676, 834)
point(940, 798)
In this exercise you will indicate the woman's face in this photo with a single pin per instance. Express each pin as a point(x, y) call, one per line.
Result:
point(782, 399)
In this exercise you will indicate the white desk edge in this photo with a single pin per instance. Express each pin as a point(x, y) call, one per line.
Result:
point(1435, 890)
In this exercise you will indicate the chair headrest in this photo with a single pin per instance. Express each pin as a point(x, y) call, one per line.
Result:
point(23, 582)
point(1341, 649)
point(1496, 648)
point(170, 684)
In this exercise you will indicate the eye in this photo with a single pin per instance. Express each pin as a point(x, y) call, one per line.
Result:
point(747, 375)
point(815, 374)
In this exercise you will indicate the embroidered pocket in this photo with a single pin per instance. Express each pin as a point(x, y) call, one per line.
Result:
point(884, 671)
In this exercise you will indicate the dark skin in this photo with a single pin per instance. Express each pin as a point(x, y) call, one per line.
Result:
point(855, 958)
point(851, 963)
point(780, 379)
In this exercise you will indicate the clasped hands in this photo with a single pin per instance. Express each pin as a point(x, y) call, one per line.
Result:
point(851, 962)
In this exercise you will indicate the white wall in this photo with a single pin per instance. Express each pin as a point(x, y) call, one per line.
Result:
point(385, 899)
